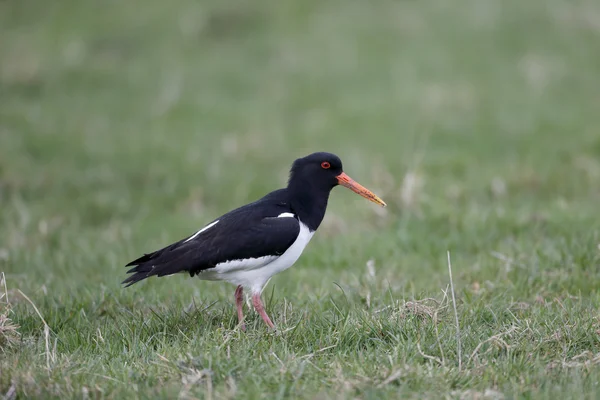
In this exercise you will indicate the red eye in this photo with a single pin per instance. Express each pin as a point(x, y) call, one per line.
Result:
point(325, 165)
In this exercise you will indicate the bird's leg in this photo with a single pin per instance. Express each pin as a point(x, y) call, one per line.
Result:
point(258, 305)
point(239, 303)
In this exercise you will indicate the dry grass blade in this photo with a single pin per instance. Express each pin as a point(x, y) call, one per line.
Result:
point(586, 360)
point(50, 355)
point(395, 375)
point(11, 394)
point(494, 338)
point(458, 344)
point(432, 358)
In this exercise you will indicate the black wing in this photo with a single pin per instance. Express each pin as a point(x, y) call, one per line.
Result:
point(238, 235)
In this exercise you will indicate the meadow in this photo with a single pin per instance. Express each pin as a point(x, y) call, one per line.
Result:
point(125, 126)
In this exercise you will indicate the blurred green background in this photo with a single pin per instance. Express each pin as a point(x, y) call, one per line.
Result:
point(127, 125)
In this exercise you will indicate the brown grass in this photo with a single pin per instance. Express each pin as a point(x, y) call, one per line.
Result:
point(9, 334)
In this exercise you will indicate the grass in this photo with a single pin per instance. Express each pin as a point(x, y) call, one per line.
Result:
point(127, 125)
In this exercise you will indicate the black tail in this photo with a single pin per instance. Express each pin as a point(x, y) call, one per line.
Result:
point(142, 270)
point(163, 262)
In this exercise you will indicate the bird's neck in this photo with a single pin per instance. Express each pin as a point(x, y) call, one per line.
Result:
point(309, 203)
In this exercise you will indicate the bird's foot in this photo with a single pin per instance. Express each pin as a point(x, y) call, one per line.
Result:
point(258, 305)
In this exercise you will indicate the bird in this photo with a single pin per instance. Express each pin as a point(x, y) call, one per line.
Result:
point(250, 244)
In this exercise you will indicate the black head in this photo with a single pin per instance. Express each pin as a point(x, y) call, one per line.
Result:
point(319, 170)
point(311, 179)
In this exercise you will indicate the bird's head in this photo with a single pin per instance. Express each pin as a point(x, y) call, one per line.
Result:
point(324, 171)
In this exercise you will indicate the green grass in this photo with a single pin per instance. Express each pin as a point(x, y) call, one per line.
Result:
point(127, 125)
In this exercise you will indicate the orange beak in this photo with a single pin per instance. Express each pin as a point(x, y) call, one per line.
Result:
point(357, 188)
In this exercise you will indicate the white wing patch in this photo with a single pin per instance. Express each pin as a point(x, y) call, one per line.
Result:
point(285, 215)
point(201, 230)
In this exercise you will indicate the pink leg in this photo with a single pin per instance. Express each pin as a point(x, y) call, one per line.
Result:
point(258, 305)
point(239, 303)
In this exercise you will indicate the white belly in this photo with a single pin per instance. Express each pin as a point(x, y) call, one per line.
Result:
point(253, 273)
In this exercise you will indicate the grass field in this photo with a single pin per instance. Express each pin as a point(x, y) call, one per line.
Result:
point(125, 126)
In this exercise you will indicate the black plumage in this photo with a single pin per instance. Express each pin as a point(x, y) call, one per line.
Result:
point(250, 231)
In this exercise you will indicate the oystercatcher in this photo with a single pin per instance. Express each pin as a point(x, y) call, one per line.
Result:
point(248, 245)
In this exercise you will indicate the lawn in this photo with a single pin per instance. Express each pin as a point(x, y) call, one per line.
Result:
point(127, 125)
